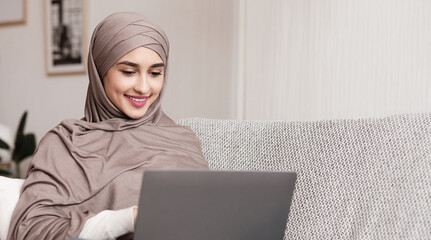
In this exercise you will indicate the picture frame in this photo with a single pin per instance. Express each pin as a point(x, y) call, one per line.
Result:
point(13, 12)
point(65, 36)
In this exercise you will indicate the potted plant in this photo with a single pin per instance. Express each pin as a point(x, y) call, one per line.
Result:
point(25, 144)
point(4, 145)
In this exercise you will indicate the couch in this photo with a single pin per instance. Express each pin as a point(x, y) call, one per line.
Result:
point(357, 179)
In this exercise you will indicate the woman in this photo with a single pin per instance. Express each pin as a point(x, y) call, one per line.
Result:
point(85, 176)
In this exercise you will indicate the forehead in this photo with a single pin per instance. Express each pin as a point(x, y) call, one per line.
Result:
point(142, 56)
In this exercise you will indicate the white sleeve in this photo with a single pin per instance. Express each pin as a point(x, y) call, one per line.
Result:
point(109, 224)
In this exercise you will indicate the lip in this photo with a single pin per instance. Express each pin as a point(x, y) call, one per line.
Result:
point(135, 103)
point(137, 97)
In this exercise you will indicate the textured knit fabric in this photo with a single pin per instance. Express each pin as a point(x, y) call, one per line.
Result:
point(357, 179)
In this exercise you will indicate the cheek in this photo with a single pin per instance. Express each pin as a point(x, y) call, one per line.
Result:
point(115, 86)
point(157, 87)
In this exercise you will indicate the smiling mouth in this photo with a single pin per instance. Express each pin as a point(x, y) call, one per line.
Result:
point(137, 101)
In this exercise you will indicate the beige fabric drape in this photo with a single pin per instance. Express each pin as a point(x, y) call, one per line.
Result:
point(82, 167)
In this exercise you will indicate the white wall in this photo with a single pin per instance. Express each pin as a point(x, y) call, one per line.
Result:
point(23, 83)
point(292, 60)
point(313, 59)
point(202, 56)
point(201, 63)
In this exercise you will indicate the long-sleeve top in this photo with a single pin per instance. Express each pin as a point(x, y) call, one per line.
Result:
point(109, 224)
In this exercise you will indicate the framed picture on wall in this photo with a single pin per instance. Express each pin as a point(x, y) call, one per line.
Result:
point(12, 12)
point(65, 36)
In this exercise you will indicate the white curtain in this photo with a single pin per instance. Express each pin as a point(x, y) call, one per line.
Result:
point(326, 59)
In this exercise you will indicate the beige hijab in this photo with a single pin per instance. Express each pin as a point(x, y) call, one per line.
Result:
point(82, 167)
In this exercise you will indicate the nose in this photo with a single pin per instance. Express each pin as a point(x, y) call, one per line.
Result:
point(142, 85)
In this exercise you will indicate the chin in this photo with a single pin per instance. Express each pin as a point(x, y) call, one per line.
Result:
point(135, 115)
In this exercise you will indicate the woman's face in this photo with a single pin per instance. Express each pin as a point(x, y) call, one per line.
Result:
point(134, 82)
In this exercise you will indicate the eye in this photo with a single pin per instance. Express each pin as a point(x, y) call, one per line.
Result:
point(125, 72)
point(156, 73)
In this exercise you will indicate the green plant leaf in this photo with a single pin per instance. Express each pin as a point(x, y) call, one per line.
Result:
point(22, 123)
point(4, 145)
point(16, 153)
point(4, 172)
point(19, 138)
point(28, 147)
point(24, 144)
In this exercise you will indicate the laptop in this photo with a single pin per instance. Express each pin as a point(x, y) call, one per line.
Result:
point(206, 205)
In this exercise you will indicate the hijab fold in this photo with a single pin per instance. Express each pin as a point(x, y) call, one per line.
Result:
point(82, 167)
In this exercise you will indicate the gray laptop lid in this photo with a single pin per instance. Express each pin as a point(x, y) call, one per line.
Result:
point(218, 205)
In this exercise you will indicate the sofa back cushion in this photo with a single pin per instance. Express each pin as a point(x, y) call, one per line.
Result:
point(357, 179)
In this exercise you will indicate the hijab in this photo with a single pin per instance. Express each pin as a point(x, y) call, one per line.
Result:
point(117, 35)
point(82, 167)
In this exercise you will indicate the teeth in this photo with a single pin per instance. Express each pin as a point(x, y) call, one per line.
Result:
point(137, 100)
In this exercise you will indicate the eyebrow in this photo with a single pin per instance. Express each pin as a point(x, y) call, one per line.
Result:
point(157, 65)
point(128, 63)
point(132, 64)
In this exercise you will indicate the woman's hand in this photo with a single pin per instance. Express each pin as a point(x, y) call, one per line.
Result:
point(135, 214)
